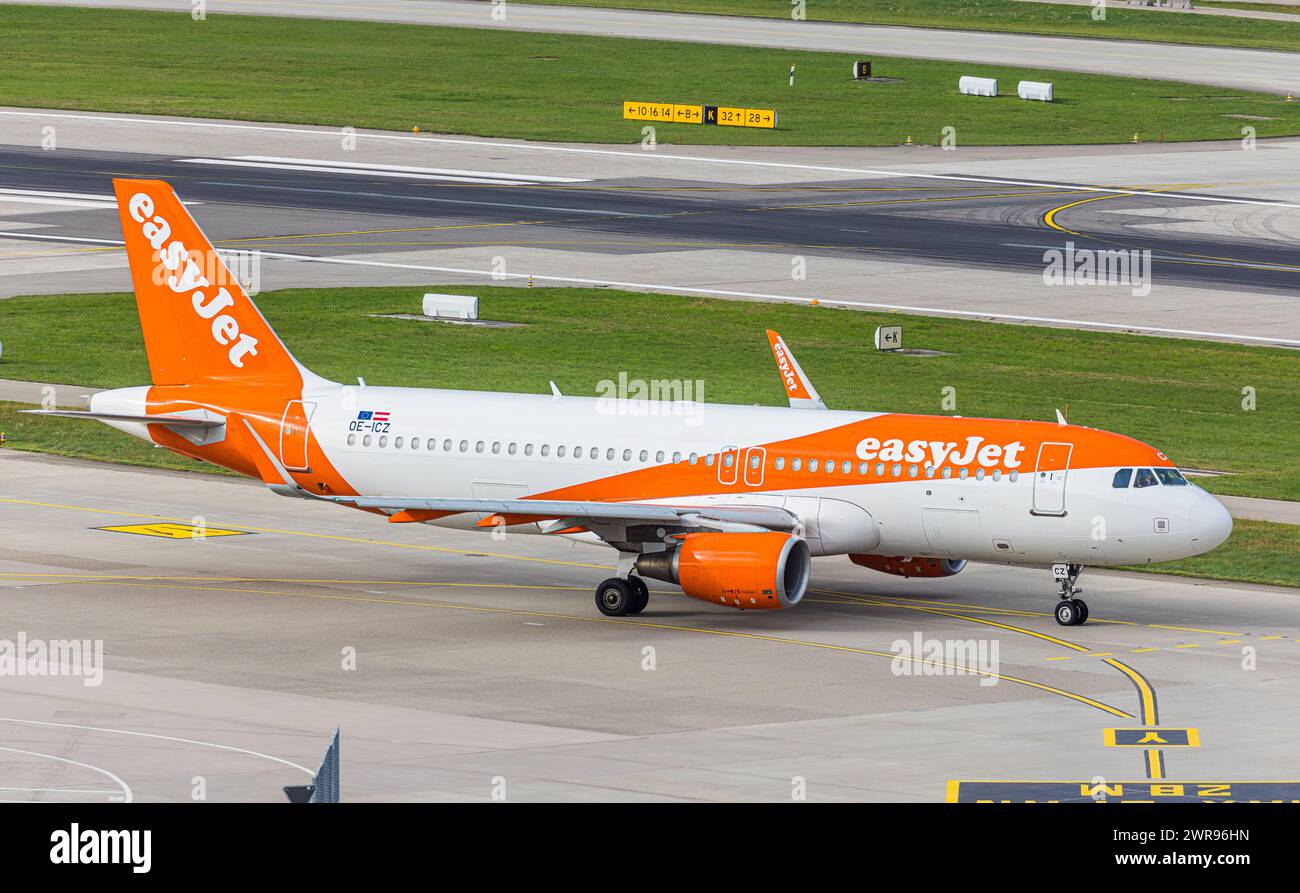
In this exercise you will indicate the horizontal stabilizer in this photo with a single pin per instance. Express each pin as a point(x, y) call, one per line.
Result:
point(173, 421)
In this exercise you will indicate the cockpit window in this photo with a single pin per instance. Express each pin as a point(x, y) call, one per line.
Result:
point(1122, 477)
point(1171, 477)
point(1145, 478)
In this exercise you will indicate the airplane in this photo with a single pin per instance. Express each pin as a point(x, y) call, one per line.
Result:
point(730, 503)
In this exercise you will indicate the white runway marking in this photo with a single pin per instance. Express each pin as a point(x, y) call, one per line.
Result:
point(226, 747)
point(62, 199)
point(325, 169)
point(364, 166)
point(660, 156)
point(126, 788)
point(936, 311)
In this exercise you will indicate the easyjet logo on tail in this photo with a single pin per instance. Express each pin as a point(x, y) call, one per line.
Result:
point(783, 366)
point(184, 275)
point(938, 452)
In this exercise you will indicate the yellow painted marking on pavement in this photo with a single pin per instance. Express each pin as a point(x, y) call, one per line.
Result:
point(326, 536)
point(1049, 219)
point(1142, 650)
point(1062, 657)
point(1101, 653)
point(644, 624)
point(1188, 645)
point(1193, 629)
point(171, 531)
point(1229, 642)
point(1146, 695)
point(1270, 638)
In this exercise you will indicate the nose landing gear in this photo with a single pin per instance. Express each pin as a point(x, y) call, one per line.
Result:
point(1070, 611)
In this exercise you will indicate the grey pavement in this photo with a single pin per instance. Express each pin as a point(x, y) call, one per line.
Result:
point(229, 658)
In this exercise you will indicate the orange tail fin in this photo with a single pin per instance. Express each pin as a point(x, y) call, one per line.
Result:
point(198, 322)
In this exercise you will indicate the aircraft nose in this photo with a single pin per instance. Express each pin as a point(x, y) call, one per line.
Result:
point(1209, 523)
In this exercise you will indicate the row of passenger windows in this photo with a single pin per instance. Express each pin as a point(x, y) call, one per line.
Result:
point(1148, 477)
point(828, 466)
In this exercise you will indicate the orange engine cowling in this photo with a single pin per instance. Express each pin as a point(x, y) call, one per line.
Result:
point(910, 567)
point(739, 570)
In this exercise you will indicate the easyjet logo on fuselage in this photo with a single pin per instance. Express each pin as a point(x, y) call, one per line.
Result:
point(938, 452)
point(184, 276)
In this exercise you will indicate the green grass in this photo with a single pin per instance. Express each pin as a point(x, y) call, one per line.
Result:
point(1182, 396)
point(1003, 15)
point(565, 88)
point(1257, 552)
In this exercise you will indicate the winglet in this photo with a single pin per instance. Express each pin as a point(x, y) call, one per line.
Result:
point(1060, 419)
point(797, 386)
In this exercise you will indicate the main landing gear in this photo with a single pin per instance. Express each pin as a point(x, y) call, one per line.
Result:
point(617, 597)
point(1070, 611)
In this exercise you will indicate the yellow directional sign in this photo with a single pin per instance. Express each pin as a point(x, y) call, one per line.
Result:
point(688, 114)
point(648, 111)
point(1151, 737)
point(731, 117)
point(171, 531)
point(699, 114)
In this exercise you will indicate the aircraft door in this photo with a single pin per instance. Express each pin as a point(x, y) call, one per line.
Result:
point(1049, 478)
point(295, 429)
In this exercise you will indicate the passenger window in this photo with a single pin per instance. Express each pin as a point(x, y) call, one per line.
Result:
point(496, 447)
point(512, 448)
point(863, 467)
point(708, 460)
point(812, 464)
point(577, 452)
point(1170, 477)
point(559, 452)
point(528, 449)
point(830, 466)
point(753, 462)
point(659, 457)
point(464, 446)
point(352, 439)
point(677, 458)
point(645, 457)
point(694, 458)
point(780, 462)
point(609, 454)
point(383, 440)
point(1122, 478)
point(880, 469)
point(1145, 478)
point(365, 441)
point(796, 465)
point(546, 449)
point(729, 460)
point(397, 444)
point(478, 447)
point(415, 443)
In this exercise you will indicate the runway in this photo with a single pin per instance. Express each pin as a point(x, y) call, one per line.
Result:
point(1246, 69)
point(460, 667)
point(873, 230)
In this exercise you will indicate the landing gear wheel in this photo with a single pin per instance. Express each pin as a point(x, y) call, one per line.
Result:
point(640, 594)
point(1068, 613)
point(1082, 606)
point(615, 598)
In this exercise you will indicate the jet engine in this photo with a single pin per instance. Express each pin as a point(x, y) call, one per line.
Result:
point(740, 570)
point(910, 567)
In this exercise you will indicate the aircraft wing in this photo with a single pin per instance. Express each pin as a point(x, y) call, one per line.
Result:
point(798, 388)
point(577, 513)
